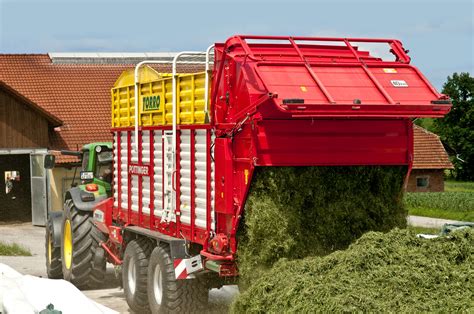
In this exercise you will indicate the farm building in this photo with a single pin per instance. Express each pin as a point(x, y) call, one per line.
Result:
point(25, 129)
point(62, 101)
point(429, 162)
point(51, 101)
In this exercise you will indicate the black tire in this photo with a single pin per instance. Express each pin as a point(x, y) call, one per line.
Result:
point(177, 296)
point(88, 263)
point(53, 254)
point(134, 274)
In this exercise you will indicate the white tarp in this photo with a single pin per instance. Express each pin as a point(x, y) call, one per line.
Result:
point(24, 294)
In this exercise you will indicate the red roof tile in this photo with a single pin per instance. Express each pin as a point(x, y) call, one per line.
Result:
point(53, 120)
point(429, 153)
point(77, 94)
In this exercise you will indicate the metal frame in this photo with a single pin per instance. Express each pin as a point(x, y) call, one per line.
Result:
point(30, 151)
point(45, 179)
point(175, 62)
point(23, 151)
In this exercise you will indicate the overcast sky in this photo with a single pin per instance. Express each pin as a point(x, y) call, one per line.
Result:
point(439, 34)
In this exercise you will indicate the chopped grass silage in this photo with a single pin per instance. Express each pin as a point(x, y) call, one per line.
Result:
point(295, 212)
point(391, 272)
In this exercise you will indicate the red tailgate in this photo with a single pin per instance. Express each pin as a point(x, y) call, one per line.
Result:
point(307, 77)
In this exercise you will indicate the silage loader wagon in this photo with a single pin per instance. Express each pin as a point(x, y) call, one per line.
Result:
point(186, 146)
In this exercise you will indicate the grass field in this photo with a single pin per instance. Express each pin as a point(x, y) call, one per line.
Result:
point(456, 186)
point(13, 250)
point(457, 202)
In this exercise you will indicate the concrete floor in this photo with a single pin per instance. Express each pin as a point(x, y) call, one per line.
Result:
point(428, 222)
point(111, 295)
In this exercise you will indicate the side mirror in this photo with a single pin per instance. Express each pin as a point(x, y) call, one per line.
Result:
point(49, 161)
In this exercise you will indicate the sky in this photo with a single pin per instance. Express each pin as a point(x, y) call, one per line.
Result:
point(439, 34)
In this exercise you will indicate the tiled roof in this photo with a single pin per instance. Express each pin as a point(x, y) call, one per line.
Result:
point(429, 153)
point(77, 94)
point(53, 120)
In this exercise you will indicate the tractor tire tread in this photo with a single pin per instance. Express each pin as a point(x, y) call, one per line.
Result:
point(182, 296)
point(85, 272)
point(54, 269)
point(139, 248)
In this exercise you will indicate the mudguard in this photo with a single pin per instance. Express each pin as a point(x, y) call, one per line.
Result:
point(56, 219)
point(177, 245)
point(75, 195)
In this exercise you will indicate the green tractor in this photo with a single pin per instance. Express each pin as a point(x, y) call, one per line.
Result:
point(73, 243)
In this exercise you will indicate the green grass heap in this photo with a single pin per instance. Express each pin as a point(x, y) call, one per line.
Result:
point(295, 212)
point(379, 273)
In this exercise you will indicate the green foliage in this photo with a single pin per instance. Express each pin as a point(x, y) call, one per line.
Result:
point(456, 203)
point(379, 273)
point(7, 249)
point(426, 123)
point(457, 128)
point(458, 186)
point(294, 212)
point(448, 205)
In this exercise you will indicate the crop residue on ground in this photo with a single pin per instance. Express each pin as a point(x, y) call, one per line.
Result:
point(378, 273)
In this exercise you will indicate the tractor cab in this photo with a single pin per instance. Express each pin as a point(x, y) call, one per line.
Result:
point(97, 165)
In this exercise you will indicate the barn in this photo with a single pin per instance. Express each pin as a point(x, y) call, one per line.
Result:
point(25, 129)
point(51, 102)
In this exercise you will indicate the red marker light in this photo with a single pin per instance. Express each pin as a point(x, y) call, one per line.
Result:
point(92, 187)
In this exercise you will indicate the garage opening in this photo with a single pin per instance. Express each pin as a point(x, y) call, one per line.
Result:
point(15, 188)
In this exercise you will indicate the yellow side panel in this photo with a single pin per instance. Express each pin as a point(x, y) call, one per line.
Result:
point(155, 101)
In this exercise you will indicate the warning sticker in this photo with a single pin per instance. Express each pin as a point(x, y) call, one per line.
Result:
point(386, 70)
point(399, 83)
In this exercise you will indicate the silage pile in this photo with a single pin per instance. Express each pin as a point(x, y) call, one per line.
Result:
point(295, 212)
point(392, 272)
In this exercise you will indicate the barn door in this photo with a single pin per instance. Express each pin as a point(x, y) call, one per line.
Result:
point(39, 199)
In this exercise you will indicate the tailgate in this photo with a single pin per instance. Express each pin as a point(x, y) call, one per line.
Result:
point(337, 77)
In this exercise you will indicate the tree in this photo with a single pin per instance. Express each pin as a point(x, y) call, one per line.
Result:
point(456, 129)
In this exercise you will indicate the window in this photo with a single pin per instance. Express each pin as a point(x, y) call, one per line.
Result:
point(37, 167)
point(104, 165)
point(422, 182)
point(85, 160)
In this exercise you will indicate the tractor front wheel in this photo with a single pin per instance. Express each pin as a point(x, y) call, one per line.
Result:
point(83, 260)
point(53, 254)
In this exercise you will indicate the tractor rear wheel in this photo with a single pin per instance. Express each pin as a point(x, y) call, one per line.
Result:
point(134, 272)
point(166, 294)
point(83, 260)
point(53, 254)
